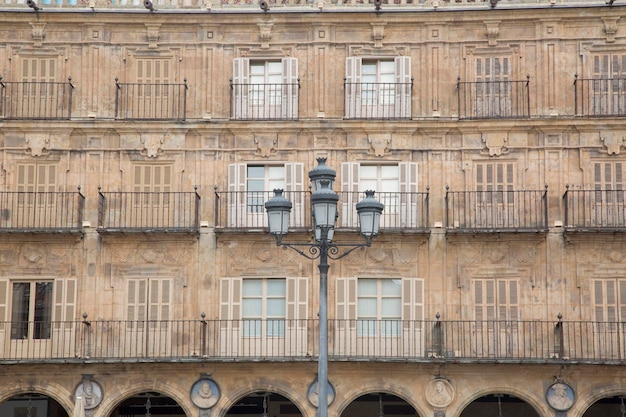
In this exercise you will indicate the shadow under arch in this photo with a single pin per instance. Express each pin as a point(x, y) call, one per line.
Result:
point(378, 403)
point(31, 403)
point(262, 403)
point(499, 404)
point(348, 397)
point(608, 403)
point(140, 402)
point(536, 402)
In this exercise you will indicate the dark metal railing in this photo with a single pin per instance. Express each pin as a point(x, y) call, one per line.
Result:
point(595, 209)
point(143, 101)
point(36, 99)
point(600, 96)
point(264, 101)
point(246, 209)
point(493, 99)
point(489, 211)
point(41, 212)
point(469, 341)
point(148, 211)
point(378, 100)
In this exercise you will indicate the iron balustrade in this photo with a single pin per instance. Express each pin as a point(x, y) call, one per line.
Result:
point(41, 212)
point(403, 210)
point(594, 209)
point(493, 99)
point(148, 211)
point(246, 209)
point(467, 341)
point(151, 101)
point(36, 99)
point(378, 100)
point(501, 210)
point(600, 96)
point(252, 101)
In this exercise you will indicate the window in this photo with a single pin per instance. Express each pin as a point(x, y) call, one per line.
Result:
point(251, 185)
point(39, 94)
point(379, 307)
point(265, 89)
point(395, 186)
point(264, 307)
point(496, 299)
point(37, 307)
point(150, 178)
point(609, 297)
point(36, 177)
point(148, 300)
point(609, 84)
point(378, 88)
point(493, 89)
point(608, 183)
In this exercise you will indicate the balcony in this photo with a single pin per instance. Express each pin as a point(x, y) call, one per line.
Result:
point(264, 101)
point(493, 99)
point(41, 212)
point(36, 100)
point(595, 210)
point(378, 100)
point(600, 96)
point(135, 101)
point(245, 210)
point(496, 211)
point(462, 341)
point(148, 212)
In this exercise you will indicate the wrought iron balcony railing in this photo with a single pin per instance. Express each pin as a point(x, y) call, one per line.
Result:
point(595, 210)
point(36, 99)
point(493, 99)
point(378, 100)
point(491, 211)
point(41, 212)
point(246, 210)
point(600, 96)
point(138, 101)
point(148, 212)
point(465, 341)
point(251, 101)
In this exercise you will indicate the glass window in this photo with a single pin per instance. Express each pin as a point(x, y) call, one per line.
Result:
point(385, 180)
point(261, 181)
point(31, 310)
point(264, 307)
point(378, 82)
point(266, 78)
point(379, 306)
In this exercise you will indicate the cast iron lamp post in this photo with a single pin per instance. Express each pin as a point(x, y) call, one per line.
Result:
point(324, 209)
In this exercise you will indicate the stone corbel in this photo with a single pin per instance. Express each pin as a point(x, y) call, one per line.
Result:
point(38, 33)
point(152, 144)
point(378, 33)
point(265, 145)
point(610, 28)
point(495, 143)
point(379, 144)
point(613, 142)
point(37, 143)
point(265, 34)
point(492, 30)
point(153, 35)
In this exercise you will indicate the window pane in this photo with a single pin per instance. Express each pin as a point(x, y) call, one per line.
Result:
point(366, 308)
point(367, 287)
point(389, 171)
point(251, 328)
point(368, 171)
point(252, 307)
point(276, 307)
point(256, 171)
point(20, 310)
point(276, 287)
point(387, 67)
point(391, 308)
point(276, 328)
point(391, 287)
point(252, 287)
point(43, 310)
point(257, 68)
point(368, 68)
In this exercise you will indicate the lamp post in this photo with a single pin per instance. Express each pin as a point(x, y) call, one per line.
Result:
point(324, 210)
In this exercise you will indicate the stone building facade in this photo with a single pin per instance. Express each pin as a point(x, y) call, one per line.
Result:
point(140, 142)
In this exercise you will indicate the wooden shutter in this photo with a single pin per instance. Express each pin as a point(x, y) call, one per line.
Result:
point(136, 301)
point(236, 199)
point(350, 193)
point(230, 299)
point(295, 192)
point(38, 70)
point(297, 304)
point(241, 79)
point(65, 291)
point(403, 86)
point(345, 299)
point(608, 175)
point(412, 299)
point(159, 299)
point(409, 206)
point(152, 178)
point(153, 71)
point(290, 90)
point(36, 177)
point(484, 299)
point(4, 301)
point(352, 88)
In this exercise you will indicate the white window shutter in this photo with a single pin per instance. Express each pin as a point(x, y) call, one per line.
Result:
point(352, 87)
point(236, 200)
point(64, 300)
point(412, 299)
point(230, 315)
point(241, 79)
point(350, 193)
point(409, 215)
point(297, 303)
point(4, 301)
point(294, 191)
point(137, 299)
point(290, 88)
point(403, 87)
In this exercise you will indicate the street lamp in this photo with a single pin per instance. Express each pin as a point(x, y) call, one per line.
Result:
point(324, 209)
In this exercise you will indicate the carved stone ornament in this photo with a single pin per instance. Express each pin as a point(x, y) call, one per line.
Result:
point(560, 396)
point(313, 393)
point(492, 30)
point(613, 142)
point(378, 33)
point(152, 31)
point(38, 33)
point(152, 144)
point(266, 34)
point(379, 144)
point(205, 393)
point(90, 392)
point(495, 143)
point(37, 143)
point(610, 28)
point(439, 393)
point(265, 145)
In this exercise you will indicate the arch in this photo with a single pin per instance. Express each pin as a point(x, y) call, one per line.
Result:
point(35, 400)
point(583, 404)
point(278, 388)
point(351, 396)
point(51, 390)
point(259, 398)
point(539, 408)
point(113, 400)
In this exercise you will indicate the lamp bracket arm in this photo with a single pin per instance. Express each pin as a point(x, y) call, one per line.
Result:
point(333, 251)
point(314, 251)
